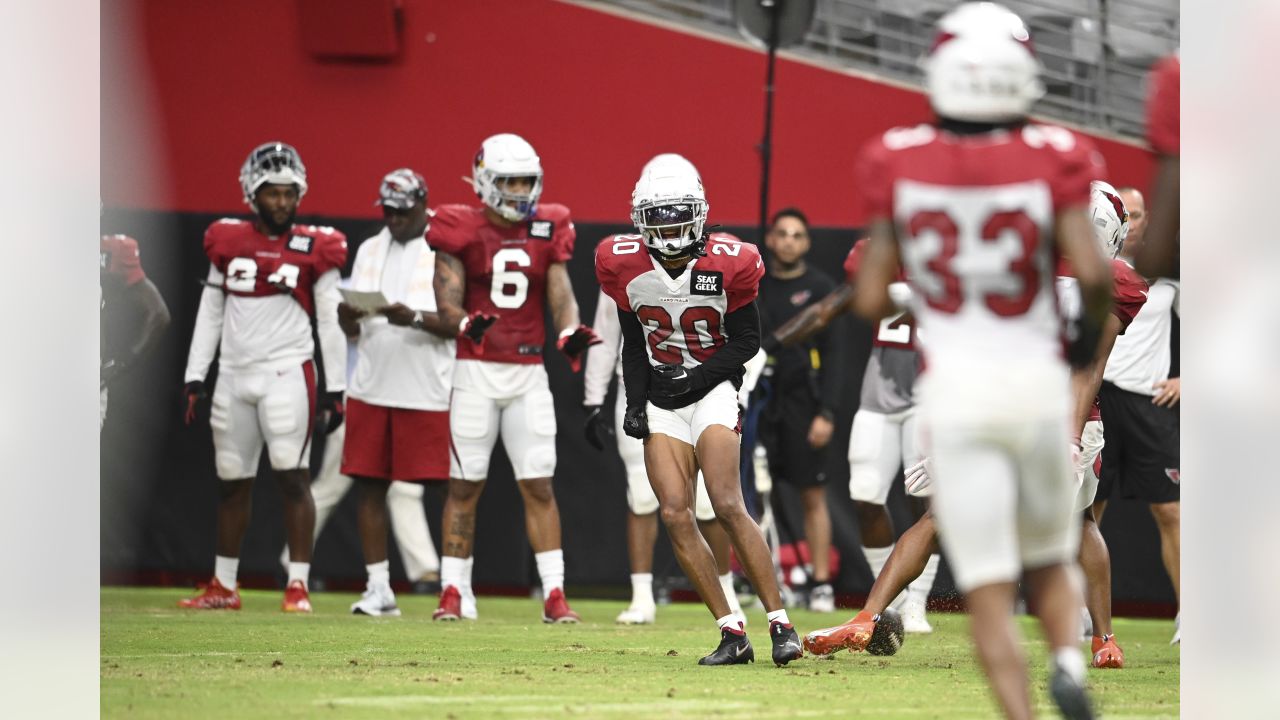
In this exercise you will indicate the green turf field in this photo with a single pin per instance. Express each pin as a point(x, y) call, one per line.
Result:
point(161, 662)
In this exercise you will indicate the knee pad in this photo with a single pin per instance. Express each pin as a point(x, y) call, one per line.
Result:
point(281, 415)
point(641, 499)
point(539, 461)
point(702, 508)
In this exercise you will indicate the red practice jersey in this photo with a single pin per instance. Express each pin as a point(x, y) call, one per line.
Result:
point(256, 265)
point(975, 216)
point(683, 317)
point(506, 272)
point(118, 261)
point(1163, 118)
point(896, 330)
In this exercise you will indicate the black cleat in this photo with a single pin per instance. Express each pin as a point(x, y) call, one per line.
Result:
point(735, 649)
point(786, 643)
point(1069, 695)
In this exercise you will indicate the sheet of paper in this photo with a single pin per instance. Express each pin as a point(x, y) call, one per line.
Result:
point(367, 301)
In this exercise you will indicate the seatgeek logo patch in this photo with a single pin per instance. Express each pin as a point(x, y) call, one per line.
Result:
point(706, 282)
point(540, 229)
point(300, 243)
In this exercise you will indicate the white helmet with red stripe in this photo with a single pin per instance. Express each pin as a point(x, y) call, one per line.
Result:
point(1109, 216)
point(982, 67)
point(669, 206)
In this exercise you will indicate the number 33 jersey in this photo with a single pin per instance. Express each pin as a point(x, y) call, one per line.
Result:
point(683, 317)
point(506, 271)
point(975, 217)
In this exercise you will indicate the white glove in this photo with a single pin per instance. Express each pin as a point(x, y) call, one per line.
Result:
point(918, 477)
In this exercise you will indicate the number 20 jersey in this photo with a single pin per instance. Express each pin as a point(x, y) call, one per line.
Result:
point(506, 274)
point(975, 217)
point(683, 317)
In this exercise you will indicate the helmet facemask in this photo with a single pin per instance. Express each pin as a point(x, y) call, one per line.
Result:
point(272, 163)
point(512, 206)
point(671, 227)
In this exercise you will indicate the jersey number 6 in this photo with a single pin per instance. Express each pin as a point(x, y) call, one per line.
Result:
point(505, 278)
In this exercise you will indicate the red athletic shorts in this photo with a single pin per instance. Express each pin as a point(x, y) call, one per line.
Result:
point(395, 444)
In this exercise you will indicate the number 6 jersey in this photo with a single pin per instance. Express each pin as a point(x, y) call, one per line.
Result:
point(260, 296)
point(506, 271)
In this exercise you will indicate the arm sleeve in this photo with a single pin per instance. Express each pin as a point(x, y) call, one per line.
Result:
point(208, 332)
point(635, 361)
point(333, 342)
point(742, 326)
point(602, 358)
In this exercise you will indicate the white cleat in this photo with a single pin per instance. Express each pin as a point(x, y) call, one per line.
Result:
point(637, 615)
point(1177, 629)
point(822, 599)
point(469, 611)
point(913, 617)
point(377, 602)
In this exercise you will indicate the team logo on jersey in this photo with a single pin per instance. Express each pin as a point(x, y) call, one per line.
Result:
point(706, 282)
point(800, 298)
point(540, 229)
point(301, 243)
point(1174, 475)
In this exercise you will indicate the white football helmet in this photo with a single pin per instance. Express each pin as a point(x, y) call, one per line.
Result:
point(1109, 216)
point(982, 67)
point(275, 163)
point(668, 206)
point(500, 158)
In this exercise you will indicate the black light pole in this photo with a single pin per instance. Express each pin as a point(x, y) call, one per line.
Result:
point(766, 144)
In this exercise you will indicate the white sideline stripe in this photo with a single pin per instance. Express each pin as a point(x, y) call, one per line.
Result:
point(507, 703)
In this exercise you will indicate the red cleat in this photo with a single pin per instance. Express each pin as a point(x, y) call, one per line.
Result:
point(450, 605)
point(556, 609)
point(214, 597)
point(853, 635)
point(296, 599)
point(1106, 653)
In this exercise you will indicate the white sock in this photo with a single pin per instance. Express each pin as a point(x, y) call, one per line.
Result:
point(551, 570)
point(451, 571)
point(1071, 661)
point(877, 557)
point(642, 590)
point(466, 577)
point(726, 583)
point(918, 590)
point(779, 616)
point(299, 571)
point(225, 569)
point(730, 621)
point(379, 574)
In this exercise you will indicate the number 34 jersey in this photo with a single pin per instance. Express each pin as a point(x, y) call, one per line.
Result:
point(683, 317)
point(975, 216)
point(506, 274)
point(268, 289)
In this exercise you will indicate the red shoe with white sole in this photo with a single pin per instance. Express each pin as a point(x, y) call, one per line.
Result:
point(214, 597)
point(556, 609)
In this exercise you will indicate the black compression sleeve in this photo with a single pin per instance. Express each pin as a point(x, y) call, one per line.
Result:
point(742, 326)
point(635, 361)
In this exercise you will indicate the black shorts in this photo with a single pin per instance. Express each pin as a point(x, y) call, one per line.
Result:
point(1140, 457)
point(784, 432)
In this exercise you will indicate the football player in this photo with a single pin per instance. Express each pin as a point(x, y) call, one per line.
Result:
point(976, 207)
point(511, 250)
point(883, 438)
point(269, 279)
point(1159, 257)
point(603, 362)
point(686, 304)
point(1110, 226)
point(120, 276)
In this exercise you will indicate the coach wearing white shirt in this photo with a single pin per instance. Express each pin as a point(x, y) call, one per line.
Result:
point(1139, 402)
point(398, 398)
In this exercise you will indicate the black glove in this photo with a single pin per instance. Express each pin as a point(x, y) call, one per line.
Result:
point(193, 394)
point(635, 422)
point(668, 382)
point(331, 411)
point(596, 427)
point(475, 326)
point(1083, 336)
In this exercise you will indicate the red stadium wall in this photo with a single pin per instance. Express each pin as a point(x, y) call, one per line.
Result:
point(597, 94)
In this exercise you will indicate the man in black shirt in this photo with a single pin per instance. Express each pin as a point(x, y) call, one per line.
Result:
point(806, 387)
